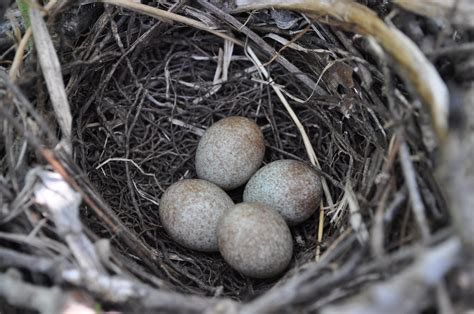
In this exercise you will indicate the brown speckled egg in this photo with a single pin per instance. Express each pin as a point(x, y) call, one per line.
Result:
point(230, 152)
point(190, 210)
point(255, 240)
point(288, 186)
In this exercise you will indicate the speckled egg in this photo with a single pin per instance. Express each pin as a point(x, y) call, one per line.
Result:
point(190, 210)
point(255, 240)
point(288, 186)
point(230, 152)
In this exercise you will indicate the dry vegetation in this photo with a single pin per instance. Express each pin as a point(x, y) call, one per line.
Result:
point(102, 106)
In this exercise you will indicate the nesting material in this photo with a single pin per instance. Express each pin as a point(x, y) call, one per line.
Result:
point(190, 210)
point(288, 186)
point(159, 138)
point(255, 240)
point(230, 152)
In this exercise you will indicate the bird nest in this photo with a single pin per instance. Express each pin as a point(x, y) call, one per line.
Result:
point(141, 111)
point(142, 92)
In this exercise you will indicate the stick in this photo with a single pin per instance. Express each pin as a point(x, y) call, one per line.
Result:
point(404, 292)
point(413, 191)
point(24, 295)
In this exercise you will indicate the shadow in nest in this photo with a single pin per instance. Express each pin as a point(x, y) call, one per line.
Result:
point(143, 92)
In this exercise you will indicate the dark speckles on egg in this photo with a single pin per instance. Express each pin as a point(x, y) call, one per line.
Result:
point(190, 210)
point(230, 152)
point(255, 240)
point(288, 186)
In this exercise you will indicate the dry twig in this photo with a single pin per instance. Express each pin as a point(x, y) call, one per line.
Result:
point(42, 299)
point(456, 11)
point(404, 292)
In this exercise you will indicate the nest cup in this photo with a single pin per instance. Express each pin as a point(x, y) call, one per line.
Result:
point(139, 115)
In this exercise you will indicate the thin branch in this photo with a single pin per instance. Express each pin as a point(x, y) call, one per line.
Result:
point(12, 258)
point(462, 49)
point(404, 292)
point(20, 52)
point(413, 191)
point(459, 12)
point(24, 295)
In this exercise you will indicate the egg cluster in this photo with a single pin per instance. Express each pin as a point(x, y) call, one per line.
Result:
point(253, 236)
